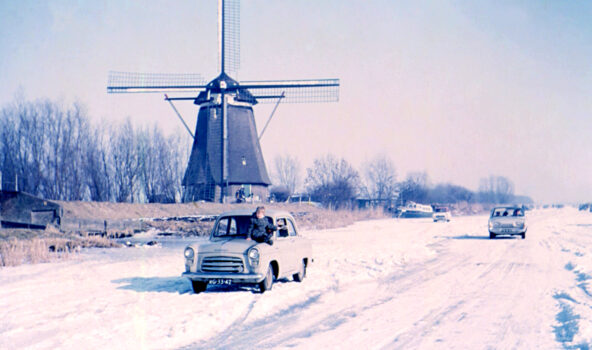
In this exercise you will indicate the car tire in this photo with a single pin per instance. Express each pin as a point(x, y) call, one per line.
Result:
point(523, 234)
point(298, 277)
point(491, 235)
point(267, 282)
point(199, 286)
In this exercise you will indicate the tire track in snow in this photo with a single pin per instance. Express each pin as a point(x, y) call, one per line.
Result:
point(265, 333)
point(210, 344)
point(234, 336)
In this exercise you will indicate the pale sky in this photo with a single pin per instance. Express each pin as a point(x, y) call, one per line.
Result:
point(459, 89)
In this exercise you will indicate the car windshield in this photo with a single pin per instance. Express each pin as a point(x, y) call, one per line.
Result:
point(234, 226)
point(501, 212)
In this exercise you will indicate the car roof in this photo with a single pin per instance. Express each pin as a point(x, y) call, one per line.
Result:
point(507, 207)
point(247, 212)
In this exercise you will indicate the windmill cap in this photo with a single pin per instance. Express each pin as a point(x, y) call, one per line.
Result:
point(224, 83)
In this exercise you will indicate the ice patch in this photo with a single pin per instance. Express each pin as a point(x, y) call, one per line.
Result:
point(583, 277)
point(568, 324)
point(564, 296)
point(155, 284)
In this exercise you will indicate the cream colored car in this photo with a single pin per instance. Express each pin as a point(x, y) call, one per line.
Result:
point(507, 221)
point(441, 214)
point(228, 257)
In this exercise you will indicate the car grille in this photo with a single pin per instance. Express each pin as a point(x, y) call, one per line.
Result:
point(222, 264)
point(518, 225)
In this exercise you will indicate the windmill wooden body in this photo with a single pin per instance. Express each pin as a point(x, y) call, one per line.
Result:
point(226, 153)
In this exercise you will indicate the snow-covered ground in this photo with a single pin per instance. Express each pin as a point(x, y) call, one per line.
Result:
point(388, 284)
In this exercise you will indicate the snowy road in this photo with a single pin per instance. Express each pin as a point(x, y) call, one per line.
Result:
point(389, 284)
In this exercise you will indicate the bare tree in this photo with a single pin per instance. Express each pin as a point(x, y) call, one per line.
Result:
point(496, 189)
point(158, 166)
point(333, 182)
point(448, 193)
point(10, 146)
point(287, 170)
point(180, 144)
point(125, 162)
point(97, 167)
point(380, 178)
point(415, 188)
point(504, 189)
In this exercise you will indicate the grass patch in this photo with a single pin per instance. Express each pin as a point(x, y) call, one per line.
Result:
point(22, 246)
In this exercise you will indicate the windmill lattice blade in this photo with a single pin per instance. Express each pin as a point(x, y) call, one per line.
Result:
point(120, 82)
point(231, 28)
point(296, 91)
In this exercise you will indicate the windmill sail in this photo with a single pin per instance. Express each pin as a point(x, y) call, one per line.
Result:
point(130, 82)
point(229, 36)
point(294, 91)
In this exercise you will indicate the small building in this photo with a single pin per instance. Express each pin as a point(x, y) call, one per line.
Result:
point(23, 210)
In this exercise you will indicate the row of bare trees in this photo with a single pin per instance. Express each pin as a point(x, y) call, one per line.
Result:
point(335, 183)
point(55, 152)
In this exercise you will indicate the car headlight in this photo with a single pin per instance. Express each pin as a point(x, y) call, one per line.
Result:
point(253, 256)
point(189, 253)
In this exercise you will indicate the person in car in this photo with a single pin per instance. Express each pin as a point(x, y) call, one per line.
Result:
point(260, 229)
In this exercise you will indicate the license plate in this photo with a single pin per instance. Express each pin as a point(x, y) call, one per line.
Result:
point(220, 281)
point(506, 231)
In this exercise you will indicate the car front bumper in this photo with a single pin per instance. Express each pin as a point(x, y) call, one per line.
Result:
point(234, 277)
point(507, 231)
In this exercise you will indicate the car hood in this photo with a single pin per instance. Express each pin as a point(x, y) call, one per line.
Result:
point(231, 245)
point(507, 219)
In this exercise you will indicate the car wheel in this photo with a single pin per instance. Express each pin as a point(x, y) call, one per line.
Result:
point(298, 277)
point(523, 234)
point(199, 286)
point(267, 282)
point(491, 235)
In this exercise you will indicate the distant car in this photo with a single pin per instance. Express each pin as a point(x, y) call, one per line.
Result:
point(441, 214)
point(229, 258)
point(507, 221)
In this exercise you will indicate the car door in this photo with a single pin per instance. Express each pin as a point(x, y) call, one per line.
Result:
point(296, 248)
point(283, 247)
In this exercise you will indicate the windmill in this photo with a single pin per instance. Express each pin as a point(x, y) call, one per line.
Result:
point(226, 154)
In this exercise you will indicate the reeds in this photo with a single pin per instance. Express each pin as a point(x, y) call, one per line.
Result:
point(36, 250)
